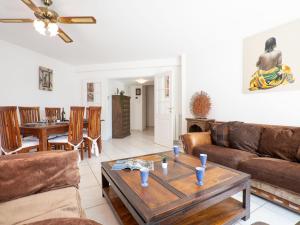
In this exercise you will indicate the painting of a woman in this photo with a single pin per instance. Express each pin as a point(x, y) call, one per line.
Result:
point(271, 72)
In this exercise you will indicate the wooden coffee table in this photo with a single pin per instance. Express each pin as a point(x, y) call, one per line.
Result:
point(173, 197)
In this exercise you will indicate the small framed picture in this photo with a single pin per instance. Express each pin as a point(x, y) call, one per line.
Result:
point(45, 79)
point(138, 91)
point(90, 92)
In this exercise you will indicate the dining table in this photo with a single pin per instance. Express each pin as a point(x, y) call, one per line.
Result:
point(42, 130)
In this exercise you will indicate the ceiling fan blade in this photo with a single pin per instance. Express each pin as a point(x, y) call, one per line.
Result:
point(32, 6)
point(16, 20)
point(64, 36)
point(77, 20)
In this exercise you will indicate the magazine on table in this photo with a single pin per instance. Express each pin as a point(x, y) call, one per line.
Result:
point(133, 164)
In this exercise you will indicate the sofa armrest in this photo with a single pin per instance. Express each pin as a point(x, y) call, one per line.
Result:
point(30, 173)
point(190, 140)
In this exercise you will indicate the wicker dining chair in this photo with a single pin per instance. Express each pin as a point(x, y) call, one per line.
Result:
point(53, 113)
point(10, 137)
point(74, 140)
point(29, 115)
point(92, 137)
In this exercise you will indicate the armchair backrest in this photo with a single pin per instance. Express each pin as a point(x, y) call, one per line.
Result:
point(94, 121)
point(10, 137)
point(29, 114)
point(76, 125)
point(53, 113)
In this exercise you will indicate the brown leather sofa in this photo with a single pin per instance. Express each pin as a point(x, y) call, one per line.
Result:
point(41, 188)
point(270, 154)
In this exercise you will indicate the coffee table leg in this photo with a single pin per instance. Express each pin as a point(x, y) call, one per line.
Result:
point(105, 183)
point(246, 201)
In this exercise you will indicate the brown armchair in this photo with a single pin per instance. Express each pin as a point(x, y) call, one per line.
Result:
point(190, 140)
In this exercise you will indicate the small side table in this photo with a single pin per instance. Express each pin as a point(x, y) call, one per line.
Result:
point(198, 124)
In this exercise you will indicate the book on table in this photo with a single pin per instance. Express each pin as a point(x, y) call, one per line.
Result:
point(132, 164)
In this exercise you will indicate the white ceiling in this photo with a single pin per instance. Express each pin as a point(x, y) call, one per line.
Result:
point(141, 29)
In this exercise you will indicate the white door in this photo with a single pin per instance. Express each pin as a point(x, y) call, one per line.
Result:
point(163, 107)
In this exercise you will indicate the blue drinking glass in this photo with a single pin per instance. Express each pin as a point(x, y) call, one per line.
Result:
point(203, 159)
point(176, 150)
point(144, 177)
point(199, 175)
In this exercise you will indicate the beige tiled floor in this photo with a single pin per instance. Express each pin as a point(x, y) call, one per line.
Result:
point(140, 143)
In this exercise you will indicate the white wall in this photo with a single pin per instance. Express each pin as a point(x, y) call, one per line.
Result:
point(114, 85)
point(19, 84)
point(217, 69)
point(150, 105)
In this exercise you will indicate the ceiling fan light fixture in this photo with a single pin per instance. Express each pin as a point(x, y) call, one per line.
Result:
point(40, 26)
point(47, 20)
point(49, 29)
point(52, 29)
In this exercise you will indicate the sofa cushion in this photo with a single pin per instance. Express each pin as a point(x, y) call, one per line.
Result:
point(277, 172)
point(244, 136)
point(30, 173)
point(282, 143)
point(224, 156)
point(61, 203)
point(65, 221)
point(219, 134)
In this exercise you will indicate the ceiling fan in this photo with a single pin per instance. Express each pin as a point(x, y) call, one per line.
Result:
point(46, 22)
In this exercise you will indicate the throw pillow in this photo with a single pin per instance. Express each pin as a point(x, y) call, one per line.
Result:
point(244, 136)
point(30, 173)
point(219, 134)
point(282, 143)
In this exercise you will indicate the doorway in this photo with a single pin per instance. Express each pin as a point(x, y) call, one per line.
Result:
point(153, 104)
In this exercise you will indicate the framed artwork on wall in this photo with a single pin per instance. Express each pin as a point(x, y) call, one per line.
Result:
point(271, 60)
point(138, 91)
point(90, 97)
point(91, 93)
point(45, 79)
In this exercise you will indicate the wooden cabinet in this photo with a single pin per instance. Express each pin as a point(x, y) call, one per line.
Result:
point(120, 116)
point(198, 125)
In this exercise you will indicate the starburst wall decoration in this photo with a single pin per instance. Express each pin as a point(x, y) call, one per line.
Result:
point(200, 104)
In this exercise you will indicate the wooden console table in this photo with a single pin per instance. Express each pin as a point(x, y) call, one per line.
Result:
point(198, 125)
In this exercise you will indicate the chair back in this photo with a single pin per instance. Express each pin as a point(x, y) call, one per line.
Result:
point(10, 137)
point(29, 114)
point(94, 121)
point(76, 125)
point(53, 113)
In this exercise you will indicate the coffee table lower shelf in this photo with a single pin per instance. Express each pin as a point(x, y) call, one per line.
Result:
point(225, 212)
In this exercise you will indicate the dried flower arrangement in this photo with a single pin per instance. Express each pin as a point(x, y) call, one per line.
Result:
point(200, 104)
